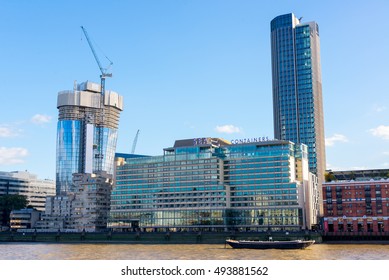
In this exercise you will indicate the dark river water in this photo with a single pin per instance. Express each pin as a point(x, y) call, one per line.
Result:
point(24, 251)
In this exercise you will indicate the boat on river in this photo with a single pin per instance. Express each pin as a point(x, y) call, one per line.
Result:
point(256, 244)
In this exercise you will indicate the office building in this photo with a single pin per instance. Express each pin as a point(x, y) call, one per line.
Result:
point(24, 219)
point(86, 132)
point(356, 206)
point(212, 184)
point(27, 184)
point(297, 87)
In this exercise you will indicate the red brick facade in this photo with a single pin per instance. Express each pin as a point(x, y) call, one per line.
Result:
point(356, 206)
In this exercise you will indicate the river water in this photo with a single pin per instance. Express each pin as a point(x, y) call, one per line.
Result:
point(25, 251)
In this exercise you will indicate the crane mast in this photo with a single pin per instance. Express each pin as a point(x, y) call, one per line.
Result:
point(100, 126)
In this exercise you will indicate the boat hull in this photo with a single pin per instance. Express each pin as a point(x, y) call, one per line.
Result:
point(247, 244)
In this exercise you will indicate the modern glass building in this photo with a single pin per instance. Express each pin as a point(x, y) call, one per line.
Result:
point(297, 87)
point(211, 184)
point(86, 132)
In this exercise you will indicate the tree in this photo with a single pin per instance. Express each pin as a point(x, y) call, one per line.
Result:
point(11, 202)
point(329, 176)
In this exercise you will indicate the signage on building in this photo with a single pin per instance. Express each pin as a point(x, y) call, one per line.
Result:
point(206, 141)
point(250, 140)
point(201, 141)
point(214, 141)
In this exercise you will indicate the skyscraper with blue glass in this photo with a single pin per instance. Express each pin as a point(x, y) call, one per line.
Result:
point(83, 125)
point(297, 87)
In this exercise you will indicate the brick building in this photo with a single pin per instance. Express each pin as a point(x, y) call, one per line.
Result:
point(356, 206)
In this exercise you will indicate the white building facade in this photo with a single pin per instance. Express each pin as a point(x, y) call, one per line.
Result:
point(27, 184)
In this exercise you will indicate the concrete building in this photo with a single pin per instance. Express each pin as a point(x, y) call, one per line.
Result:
point(24, 218)
point(85, 209)
point(356, 206)
point(212, 184)
point(297, 87)
point(57, 215)
point(27, 184)
point(91, 204)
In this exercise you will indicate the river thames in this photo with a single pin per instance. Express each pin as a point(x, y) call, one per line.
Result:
point(42, 251)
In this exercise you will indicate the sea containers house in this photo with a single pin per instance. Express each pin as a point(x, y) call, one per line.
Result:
point(211, 184)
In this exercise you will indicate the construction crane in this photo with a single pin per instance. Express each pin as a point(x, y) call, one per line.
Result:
point(104, 71)
point(134, 143)
point(104, 74)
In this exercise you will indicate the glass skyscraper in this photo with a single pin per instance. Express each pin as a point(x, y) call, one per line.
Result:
point(297, 87)
point(83, 124)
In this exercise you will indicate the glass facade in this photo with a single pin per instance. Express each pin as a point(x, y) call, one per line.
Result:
point(68, 152)
point(109, 148)
point(71, 151)
point(297, 88)
point(245, 186)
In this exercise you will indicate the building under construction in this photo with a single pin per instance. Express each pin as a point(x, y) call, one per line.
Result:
point(86, 144)
point(86, 132)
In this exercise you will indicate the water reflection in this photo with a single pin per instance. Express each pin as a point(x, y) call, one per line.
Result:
point(22, 251)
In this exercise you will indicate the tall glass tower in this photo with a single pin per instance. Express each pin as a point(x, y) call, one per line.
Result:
point(83, 125)
point(297, 87)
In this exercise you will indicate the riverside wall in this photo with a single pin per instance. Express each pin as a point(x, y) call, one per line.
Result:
point(190, 237)
point(153, 237)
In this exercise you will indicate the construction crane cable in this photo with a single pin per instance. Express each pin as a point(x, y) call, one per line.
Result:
point(102, 69)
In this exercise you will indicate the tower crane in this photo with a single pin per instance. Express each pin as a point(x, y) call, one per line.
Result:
point(135, 141)
point(104, 71)
point(104, 74)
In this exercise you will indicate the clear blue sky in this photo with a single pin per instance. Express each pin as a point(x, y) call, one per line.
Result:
point(186, 68)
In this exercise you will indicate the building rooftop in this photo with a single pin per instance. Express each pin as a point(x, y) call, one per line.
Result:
point(359, 175)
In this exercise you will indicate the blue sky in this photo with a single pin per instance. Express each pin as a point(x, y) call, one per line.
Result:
point(188, 69)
